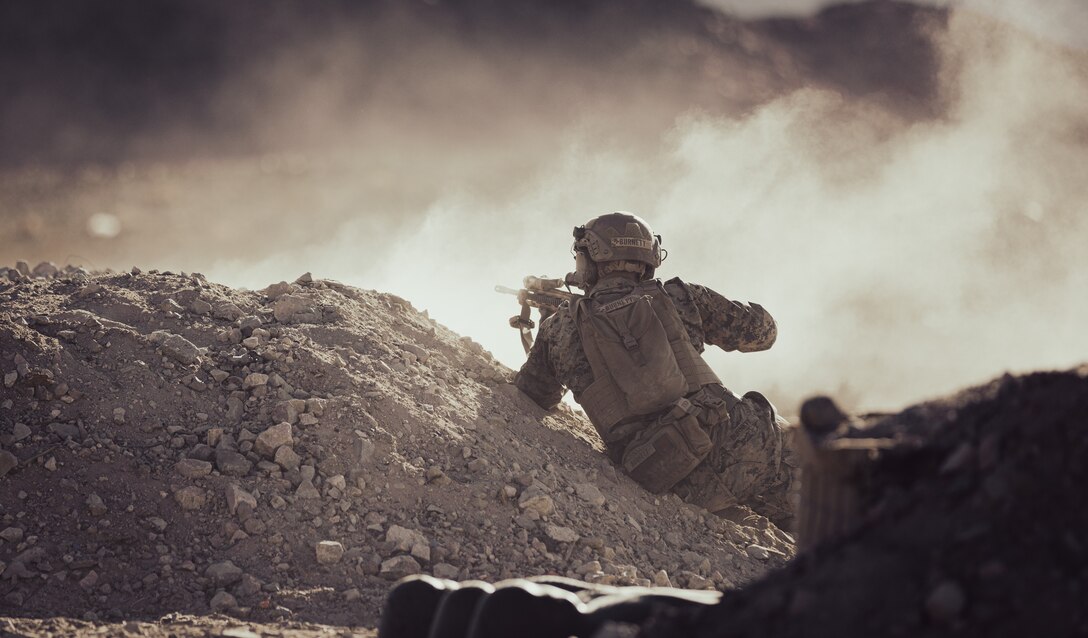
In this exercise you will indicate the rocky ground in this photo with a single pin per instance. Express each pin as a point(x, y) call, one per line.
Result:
point(972, 525)
point(175, 448)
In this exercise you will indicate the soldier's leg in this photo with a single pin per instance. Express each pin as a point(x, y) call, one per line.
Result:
point(752, 463)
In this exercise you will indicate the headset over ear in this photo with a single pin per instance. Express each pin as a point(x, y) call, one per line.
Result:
point(585, 270)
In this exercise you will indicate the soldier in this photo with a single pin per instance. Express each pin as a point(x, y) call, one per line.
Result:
point(630, 351)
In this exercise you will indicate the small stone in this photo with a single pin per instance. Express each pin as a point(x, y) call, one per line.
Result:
point(222, 601)
point(277, 290)
point(445, 570)
point(307, 420)
point(329, 552)
point(65, 430)
point(286, 411)
point(237, 496)
point(271, 439)
point(363, 451)
point(533, 500)
point(254, 379)
point(51, 464)
point(236, 408)
point(8, 462)
point(316, 407)
point(404, 539)
point(287, 458)
point(590, 493)
point(12, 534)
point(193, 468)
point(191, 498)
point(758, 552)
point(945, 603)
point(89, 581)
point(10, 378)
point(20, 432)
point(306, 489)
point(248, 586)
point(177, 347)
point(422, 551)
point(227, 311)
point(251, 342)
point(224, 573)
point(436, 476)
point(561, 534)
point(231, 463)
point(398, 567)
point(169, 305)
point(420, 354)
point(695, 581)
point(293, 309)
point(200, 307)
point(45, 270)
point(661, 579)
point(95, 505)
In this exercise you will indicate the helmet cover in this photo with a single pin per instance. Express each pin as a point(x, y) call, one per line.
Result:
point(619, 236)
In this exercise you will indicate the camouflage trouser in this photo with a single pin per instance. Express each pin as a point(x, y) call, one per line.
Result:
point(752, 462)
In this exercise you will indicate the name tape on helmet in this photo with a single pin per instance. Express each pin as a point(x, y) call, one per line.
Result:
point(632, 242)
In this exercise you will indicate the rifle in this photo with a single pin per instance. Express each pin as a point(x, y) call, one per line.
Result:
point(541, 293)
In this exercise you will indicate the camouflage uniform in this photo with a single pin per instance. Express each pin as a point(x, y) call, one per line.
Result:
point(746, 464)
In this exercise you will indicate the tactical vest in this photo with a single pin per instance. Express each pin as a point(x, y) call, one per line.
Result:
point(642, 359)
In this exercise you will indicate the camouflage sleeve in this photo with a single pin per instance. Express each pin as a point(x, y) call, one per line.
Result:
point(536, 377)
point(734, 325)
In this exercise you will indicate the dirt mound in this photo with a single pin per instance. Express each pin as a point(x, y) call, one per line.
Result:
point(974, 526)
point(170, 445)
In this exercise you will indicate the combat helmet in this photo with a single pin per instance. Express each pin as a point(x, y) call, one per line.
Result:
point(618, 236)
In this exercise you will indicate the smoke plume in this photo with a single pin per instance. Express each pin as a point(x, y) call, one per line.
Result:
point(900, 256)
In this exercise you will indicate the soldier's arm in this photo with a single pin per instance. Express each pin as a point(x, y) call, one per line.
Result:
point(536, 377)
point(734, 325)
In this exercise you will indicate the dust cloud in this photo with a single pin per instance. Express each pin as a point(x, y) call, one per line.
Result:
point(899, 260)
point(900, 257)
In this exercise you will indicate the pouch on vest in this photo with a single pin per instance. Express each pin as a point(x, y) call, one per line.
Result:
point(660, 459)
point(635, 348)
